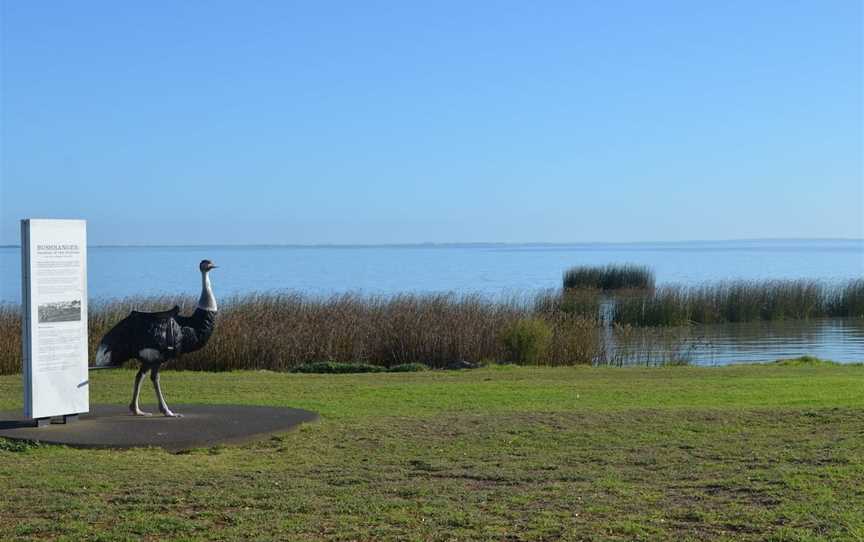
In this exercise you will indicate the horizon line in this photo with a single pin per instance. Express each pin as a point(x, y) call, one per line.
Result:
point(456, 244)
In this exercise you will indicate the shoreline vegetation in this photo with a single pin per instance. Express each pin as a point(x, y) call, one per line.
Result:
point(599, 317)
point(739, 301)
point(630, 296)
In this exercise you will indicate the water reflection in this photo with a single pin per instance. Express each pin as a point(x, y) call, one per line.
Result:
point(836, 339)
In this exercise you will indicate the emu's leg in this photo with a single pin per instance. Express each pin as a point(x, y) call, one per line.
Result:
point(136, 391)
point(163, 408)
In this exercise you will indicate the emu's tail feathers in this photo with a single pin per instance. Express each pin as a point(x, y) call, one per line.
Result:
point(103, 356)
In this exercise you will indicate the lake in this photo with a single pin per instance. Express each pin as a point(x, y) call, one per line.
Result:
point(494, 270)
point(838, 339)
point(489, 269)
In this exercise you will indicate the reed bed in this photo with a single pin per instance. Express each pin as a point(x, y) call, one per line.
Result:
point(281, 331)
point(586, 302)
point(10, 338)
point(740, 301)
point(847, 301)
point(629, 346)
point(609, 277)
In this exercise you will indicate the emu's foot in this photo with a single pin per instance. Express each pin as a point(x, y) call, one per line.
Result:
point(138, 412)
point(168, 414)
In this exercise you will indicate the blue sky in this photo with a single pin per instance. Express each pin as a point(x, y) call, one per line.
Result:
point(397, 122)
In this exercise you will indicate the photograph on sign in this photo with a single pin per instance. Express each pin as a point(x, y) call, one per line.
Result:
point(60, 311)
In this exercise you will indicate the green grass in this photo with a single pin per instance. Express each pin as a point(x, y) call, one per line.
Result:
point(771, 452)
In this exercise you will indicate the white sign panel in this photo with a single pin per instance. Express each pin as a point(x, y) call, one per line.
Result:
point(54, 325)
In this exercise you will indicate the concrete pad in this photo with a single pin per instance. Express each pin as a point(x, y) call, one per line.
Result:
point(111, 426)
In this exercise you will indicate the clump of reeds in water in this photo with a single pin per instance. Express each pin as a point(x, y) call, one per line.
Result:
point(650, 347)
point(740, 301)
point(576, 301)
point(847, 301)
point(280, 331)
point(609, 277)
point(664, 306)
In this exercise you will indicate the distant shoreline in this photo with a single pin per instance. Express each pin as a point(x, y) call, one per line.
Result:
point(490, 244)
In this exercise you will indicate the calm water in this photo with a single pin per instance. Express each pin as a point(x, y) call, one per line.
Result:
point(493, 270)
point(838, 339)
point(123, 271)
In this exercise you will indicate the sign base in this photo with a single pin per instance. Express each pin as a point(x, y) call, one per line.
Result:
point(66, 418)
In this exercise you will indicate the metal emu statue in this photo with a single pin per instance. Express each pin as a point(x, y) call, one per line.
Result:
point(157, 337)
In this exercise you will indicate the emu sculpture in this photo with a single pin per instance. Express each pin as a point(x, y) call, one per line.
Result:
point(157, 337)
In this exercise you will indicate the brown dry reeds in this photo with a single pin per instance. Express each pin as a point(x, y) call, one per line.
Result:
point(280, 331)
point(10, 338)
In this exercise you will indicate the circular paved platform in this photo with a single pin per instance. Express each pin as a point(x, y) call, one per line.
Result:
point(111, 426)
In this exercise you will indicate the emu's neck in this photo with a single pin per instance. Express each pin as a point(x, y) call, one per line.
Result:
point(206, 302)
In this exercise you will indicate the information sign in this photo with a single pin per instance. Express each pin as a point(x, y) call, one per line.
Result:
point(54, 323)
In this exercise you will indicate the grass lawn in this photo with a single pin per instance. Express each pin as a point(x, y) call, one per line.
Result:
point(505, 453)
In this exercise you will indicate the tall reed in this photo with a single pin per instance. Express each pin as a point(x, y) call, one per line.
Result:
point(847, 301)
point(629, 345)
point(585, 302)
point(739, 301)
point(10, 338)
point(609, 277)
point(280, 331)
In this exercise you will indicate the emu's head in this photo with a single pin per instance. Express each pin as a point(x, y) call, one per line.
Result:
point(206, 265)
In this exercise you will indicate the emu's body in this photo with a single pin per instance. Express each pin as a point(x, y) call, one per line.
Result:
point(155, 338)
